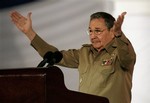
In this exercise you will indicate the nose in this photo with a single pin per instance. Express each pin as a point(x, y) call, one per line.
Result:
point(92, 35)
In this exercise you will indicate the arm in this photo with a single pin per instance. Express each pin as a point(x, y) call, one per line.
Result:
point(126, 53)
point(24, 24)
point(70, 58)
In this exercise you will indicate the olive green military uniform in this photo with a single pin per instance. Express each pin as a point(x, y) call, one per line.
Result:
point(107, 73)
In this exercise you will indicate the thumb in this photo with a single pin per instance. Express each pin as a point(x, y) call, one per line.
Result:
point(124, 13)
point(29, 15)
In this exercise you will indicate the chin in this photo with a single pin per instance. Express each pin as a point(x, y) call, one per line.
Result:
point(96, 47)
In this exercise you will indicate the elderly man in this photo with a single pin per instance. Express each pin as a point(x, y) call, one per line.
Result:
point(105, 66)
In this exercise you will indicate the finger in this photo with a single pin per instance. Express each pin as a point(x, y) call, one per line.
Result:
point(124, 13)
point(20, 22)
point(17, 16)
point(13, 19)
point(118, 21)
point(29, 16)
point(12, 15)
point(121, 18)
point(117, 26)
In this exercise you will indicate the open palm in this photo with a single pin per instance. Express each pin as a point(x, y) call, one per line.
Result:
point(22, 23)
point(118, 24)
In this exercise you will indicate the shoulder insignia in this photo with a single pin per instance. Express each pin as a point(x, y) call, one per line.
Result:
point(86, 45)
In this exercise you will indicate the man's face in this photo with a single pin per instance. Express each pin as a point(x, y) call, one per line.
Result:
point(100, 36)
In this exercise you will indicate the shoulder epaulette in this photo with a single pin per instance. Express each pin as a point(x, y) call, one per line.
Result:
point(86, 45)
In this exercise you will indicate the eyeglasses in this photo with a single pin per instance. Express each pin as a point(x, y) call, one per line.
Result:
point(96, 31)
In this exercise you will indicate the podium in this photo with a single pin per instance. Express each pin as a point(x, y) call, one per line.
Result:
point(42, 85)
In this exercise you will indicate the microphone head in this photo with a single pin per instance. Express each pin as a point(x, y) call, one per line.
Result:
point(58, 56)
point(48, 55)
point(53, 58)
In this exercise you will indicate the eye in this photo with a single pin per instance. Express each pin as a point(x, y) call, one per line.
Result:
point(90, 31)
point(97, 31)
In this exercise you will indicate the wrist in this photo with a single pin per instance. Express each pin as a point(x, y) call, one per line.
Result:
point(31, 34)
point(118, 34)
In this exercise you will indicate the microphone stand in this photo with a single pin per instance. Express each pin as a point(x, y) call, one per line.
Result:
point(51, 63)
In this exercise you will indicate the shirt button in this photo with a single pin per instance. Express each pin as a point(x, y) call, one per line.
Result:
point(80, 80)
point(113, 54)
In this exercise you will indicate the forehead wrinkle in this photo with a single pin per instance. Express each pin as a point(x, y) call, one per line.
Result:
point(97, 24)
point(97, 28)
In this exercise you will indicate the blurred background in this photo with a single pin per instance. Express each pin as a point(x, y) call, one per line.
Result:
point(63, 23)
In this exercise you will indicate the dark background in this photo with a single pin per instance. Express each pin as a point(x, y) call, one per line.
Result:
point(10, 3)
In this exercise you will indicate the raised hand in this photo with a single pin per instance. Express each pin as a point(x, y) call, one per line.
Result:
point(118, 23)
point(23, 23)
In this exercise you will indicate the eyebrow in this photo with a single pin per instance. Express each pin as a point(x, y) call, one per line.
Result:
point(95, 28)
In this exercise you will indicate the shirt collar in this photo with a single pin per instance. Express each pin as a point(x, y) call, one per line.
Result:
point(110, 47)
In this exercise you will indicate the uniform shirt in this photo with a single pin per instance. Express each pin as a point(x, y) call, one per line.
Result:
point(107, 73)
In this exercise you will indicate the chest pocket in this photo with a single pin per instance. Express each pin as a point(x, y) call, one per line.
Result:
point(107, 65)
point(106, 69)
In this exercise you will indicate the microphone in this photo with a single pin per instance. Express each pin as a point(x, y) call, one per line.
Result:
point(51, 58)
point(56, 58)
point(46, 57)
